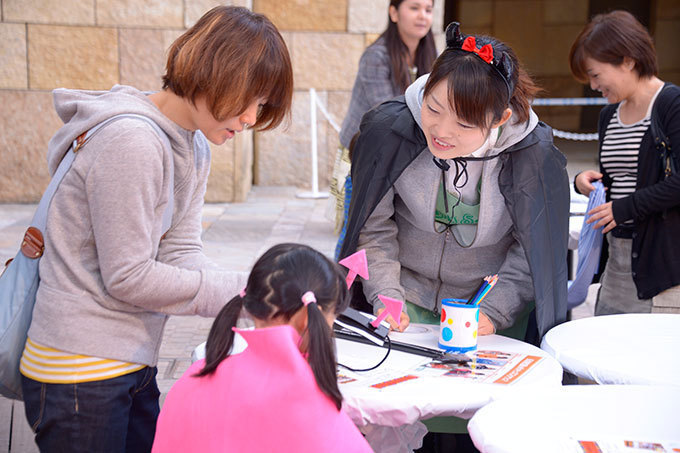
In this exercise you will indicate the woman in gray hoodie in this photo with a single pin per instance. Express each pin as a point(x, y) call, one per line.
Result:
point(111, 273)
point(458, 180)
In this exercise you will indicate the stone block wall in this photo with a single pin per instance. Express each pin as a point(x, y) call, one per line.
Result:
point(91, 45)
point(326, 39)
point(94, 44)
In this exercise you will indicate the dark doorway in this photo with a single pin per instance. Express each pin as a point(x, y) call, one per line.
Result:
point(450, 11)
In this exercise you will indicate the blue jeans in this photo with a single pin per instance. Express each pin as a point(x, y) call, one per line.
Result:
point(115, 415)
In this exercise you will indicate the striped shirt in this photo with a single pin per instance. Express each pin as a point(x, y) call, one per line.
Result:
point(620, 149)
point(44, 364)
point(619, 155)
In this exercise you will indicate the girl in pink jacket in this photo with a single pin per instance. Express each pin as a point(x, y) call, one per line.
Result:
point(281, 392)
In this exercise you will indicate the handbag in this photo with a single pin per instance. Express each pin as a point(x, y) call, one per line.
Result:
point(19, 282)
point(662, 142)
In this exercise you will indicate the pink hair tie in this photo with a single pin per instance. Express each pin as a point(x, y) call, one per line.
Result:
point(242, 293)
point(308, 298)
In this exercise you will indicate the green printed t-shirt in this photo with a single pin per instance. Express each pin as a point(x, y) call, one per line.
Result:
point(459, 213)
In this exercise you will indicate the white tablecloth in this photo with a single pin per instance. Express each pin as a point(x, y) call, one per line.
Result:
point(619, 349)
point(554, 420)
point(390, 417)
point(428, 397)
point(577, 210)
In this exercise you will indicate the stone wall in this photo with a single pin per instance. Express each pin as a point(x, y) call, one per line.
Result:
point(93, 44)
point(326, 40)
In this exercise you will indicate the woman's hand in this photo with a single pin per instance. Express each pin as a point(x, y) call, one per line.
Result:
point(485, 326)
point(404, 321)
point(584, 181)
point(604, 215)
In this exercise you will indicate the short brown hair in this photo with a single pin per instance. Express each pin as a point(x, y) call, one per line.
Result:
point(233, 56)
point(476, 89)
point(608, 38)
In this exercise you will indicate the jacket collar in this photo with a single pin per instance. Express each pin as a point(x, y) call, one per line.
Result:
point(405, 125)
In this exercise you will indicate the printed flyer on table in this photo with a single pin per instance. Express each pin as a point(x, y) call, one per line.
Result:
point(486, 366)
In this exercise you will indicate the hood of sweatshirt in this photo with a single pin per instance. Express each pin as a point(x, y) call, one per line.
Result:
point(81, 110)
point(510, 133)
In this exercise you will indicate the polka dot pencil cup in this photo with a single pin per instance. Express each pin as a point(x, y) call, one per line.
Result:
point(458, 326)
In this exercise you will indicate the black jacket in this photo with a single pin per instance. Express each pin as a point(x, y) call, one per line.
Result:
point(655, 204)
point(533, 180)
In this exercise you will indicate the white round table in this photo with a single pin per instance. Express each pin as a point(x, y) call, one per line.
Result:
point(427, 397)
point(619, 349)
point(390, 416)
point(556, 420)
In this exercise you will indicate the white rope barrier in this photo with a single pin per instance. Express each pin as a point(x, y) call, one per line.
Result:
point(569, 101)
point(315, 102)
point(575, 136)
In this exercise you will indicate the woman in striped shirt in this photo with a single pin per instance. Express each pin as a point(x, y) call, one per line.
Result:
point(616, 55)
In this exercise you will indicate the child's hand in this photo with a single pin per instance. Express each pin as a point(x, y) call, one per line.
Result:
point(485, 326)
point(404, 321)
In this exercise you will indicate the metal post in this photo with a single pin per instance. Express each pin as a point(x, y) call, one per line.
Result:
point(315, 171)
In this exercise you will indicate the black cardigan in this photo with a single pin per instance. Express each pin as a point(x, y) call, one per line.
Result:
point(655, 204)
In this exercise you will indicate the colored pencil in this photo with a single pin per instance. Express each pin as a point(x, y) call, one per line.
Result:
point(490, 286)
point(478, 292)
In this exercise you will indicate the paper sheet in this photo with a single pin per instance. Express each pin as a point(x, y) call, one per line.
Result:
point(624, 446)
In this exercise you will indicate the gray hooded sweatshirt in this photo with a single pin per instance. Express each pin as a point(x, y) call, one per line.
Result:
point(409, 260)
point(106, 285)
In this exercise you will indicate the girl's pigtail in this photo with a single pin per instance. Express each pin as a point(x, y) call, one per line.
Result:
point(221, 336)
point(321, 354)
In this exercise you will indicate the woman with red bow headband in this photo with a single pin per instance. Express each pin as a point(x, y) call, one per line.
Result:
point(456, 180)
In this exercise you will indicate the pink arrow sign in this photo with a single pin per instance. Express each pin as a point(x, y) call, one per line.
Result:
point(356, 263)
point(392, 307)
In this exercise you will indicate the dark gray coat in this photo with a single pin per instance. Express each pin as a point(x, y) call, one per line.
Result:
point(533, 181)
point(372, 86)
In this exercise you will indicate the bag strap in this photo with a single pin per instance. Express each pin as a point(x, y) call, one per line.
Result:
point(40, 218)
point(661, 140)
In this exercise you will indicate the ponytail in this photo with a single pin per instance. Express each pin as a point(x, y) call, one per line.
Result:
point(274, 286)
point(221, 336)
point(321, 354)
point(525, 92)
